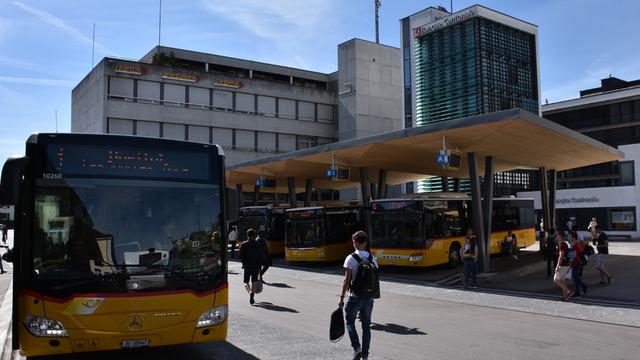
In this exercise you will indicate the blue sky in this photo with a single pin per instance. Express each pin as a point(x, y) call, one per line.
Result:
point(45, 46)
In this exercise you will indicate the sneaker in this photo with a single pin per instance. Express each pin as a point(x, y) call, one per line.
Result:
point(251, 300)
point(357, 354)
point(610, 280)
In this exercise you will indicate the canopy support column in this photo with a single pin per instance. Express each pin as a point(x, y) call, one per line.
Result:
point(382, 184)
point(256, 194)
point(488, 209)
point(291, 184)
point(552, 196)
point(308, 190)
point(544, 199)
point(476, 207)
point(445, 183)
point(364, 185)
point(240, 195)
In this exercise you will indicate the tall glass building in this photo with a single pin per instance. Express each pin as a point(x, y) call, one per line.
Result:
point(466, 63)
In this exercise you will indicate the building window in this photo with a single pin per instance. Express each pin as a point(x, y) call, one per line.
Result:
point(120, 126)
point(198, 98)
point(148, 92)
point(121, 88)
point(306, 111)
point(305, 142)
point(174, 95)
point(266, 105)
point(286, 108)
point(325, 113)
point(245, 103)
point(627, 173)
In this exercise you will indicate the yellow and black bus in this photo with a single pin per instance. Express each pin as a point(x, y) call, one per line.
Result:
point(427, 230)
point(321, 233)
point(119, 245)
point(269, 219)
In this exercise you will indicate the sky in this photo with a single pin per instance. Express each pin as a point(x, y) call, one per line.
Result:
point(46, 46)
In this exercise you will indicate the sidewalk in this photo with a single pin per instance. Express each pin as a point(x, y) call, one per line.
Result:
point(530, 276)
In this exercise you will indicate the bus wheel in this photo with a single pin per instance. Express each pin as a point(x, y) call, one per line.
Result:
point(454, 255)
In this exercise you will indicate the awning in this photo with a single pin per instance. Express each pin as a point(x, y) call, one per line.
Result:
point(516, 139)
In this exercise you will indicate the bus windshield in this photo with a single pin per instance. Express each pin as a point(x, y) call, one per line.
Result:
point(306, 233)
point(397, 229)
point(111, 235)
point(255, 222)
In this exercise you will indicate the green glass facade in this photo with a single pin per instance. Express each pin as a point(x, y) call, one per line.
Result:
point(474, 67)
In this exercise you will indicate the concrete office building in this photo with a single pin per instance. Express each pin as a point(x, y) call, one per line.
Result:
point(251, 109)
point(610, 191)
point(470, 62)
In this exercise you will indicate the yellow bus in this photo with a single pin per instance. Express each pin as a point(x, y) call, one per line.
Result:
point(427, 230)
point(321, 233)
point(120, 245)
point(268, 218)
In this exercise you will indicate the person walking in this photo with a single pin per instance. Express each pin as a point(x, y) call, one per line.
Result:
point(469, 256)
point(592, 227)
point(264, 252)
point(233, 240)
point(601, 241)
point(5, 230)
point(251, 257)
point(577, 265)
point(359, 266)
point(563, 270)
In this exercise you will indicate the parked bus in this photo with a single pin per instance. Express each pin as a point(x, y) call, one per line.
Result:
point(429, 230)
point(119, 243)
point(268, 218)
point(321, 233)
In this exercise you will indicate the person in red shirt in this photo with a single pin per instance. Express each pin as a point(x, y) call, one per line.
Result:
point(563, 271)
point(577, 265)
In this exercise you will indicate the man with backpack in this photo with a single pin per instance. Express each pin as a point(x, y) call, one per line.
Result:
point(577, 265)
point(361, 279)
point(551, 252)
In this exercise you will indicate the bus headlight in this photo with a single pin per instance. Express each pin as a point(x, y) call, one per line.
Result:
point(41, 326)
point(415, 258)
point(213, 316)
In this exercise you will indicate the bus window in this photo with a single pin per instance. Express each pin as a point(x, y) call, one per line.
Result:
point(340, 227)
point(305, 233)
point(397, 229)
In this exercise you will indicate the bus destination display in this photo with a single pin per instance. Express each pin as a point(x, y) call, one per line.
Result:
point(79, 160)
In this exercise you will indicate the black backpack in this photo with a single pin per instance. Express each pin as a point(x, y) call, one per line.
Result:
point(336, 326)
point(367, 282)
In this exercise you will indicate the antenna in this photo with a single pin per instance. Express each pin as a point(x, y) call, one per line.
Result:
point(451, 7)
point(56, 112)
point(159, 24)
point(377, 4)
point(93, 46)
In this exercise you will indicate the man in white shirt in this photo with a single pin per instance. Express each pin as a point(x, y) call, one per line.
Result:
point(233, 240)
point(356, 304)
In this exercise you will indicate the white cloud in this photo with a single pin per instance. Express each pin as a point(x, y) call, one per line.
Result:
point(285, 22)
point(61, 25)
point(37, 81)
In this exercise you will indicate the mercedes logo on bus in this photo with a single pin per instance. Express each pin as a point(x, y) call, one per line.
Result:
point(135, 322)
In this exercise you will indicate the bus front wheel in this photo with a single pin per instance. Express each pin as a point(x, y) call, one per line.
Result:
point(454, 255)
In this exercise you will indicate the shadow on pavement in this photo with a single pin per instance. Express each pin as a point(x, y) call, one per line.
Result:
point(272, 307)
point(222, 351)
point(279, 285)
point(397, 329)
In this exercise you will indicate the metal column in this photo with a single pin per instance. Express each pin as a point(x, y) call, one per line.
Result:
point(256, 194)
point(456, 185)
point(291, 184)
point(476, 208)
point(552, 197)
point(382, 184)
point(488, 208)
point(445, 183)
point(373, 190)
point(364, 185)
point(544, 199)
point(308, 189)
point(240, 195)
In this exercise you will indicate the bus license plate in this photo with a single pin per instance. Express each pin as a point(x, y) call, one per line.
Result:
point(126, 344)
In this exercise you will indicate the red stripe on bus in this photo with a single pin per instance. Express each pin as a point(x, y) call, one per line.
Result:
point(123, 295)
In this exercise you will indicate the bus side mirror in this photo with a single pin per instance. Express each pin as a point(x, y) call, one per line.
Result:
point(12, 175)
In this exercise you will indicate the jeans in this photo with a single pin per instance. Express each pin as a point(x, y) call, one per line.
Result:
point(365, 307)
point(576, 274)
point(469, 270)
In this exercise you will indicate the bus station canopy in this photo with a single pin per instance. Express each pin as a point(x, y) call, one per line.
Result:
point(516, 139)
